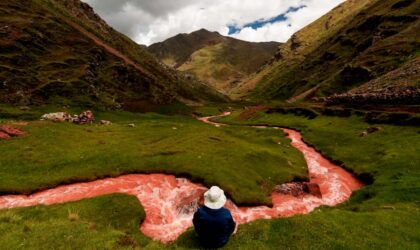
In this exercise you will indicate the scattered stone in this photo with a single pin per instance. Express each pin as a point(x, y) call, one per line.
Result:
point(24, 108)
point(57, 117)
point(86, 117)
point(131, 125)
point(294, 189)
point(369, 131)
point(105, 122)
point(298, 189)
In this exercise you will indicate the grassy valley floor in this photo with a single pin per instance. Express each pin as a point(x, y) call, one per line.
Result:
point(246, 162)
point(383, 215)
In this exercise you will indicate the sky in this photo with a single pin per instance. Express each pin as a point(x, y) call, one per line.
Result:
point(151, 21)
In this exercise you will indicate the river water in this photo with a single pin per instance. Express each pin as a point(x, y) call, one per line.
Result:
point(170, 202)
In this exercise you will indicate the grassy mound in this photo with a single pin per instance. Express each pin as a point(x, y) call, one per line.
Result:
point(105, 222)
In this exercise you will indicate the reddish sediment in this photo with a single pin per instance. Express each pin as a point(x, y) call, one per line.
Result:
point(7, 132)
point(170, 202)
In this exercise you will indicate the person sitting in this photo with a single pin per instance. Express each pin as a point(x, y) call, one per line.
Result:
point(212, 222)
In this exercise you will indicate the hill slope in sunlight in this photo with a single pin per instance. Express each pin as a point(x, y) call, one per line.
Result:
point(357, 42)
point(217, 60)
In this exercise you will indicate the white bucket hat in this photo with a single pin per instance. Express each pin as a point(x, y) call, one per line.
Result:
point(214, 198)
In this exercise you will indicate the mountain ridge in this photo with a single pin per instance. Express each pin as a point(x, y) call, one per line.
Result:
point(358, 41)
point(217, 60)
point(61, 52)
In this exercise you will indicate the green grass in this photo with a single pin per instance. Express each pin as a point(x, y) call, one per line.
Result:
point(389, 155)
point(379, 213)
point(105, 222)
point(383, 215)
point(112, 222)
point(246, 162)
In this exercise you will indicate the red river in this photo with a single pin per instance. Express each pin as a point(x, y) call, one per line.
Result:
point(170, 202)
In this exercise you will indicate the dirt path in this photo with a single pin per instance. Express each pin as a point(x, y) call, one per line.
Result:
point(303, 95)
point(170, 202)
point(108, 48)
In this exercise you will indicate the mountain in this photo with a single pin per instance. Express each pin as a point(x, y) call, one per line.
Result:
point(217, 60)
point(61, 52)
point(359, 41)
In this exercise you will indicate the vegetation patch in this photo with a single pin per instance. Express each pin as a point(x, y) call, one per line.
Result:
point(238, 160)
point(107, 222)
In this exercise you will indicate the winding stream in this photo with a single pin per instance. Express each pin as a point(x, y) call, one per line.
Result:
point(170, 202)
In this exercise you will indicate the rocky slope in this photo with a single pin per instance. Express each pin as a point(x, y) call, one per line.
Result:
point(357, 42)
point(219, 61)
point(61, 52)
point(400, 86)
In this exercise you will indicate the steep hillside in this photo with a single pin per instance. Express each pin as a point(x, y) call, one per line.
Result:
point(400, 86)
point(358, 41)
point(219, 61)
point(61, 52)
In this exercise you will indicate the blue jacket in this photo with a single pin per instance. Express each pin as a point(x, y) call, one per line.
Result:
point(213, 226)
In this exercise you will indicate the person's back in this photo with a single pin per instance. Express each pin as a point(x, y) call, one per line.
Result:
point(213, 223)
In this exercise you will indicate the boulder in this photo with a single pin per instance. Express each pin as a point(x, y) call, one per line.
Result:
point(298, 189)
point(57, 117)
point(294, 189)
point(131, 125)
point(105, 122)
point(369, 131)
point(86, 117)
point(314, 189)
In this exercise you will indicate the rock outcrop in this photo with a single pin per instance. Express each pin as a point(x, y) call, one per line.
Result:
point(299, 189)
point(409, 95)
point(85, 117)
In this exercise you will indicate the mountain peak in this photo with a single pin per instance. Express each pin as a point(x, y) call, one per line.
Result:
point(202, 30)
point(205, 32)
point(212, 58)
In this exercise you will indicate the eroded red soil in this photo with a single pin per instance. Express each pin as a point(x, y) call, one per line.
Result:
point(7, 132)
point(170, 202)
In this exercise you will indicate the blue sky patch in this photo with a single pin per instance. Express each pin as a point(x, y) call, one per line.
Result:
point(233, 29)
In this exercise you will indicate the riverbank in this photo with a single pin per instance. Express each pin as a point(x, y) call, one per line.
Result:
point(170, 202)
point(383, 215)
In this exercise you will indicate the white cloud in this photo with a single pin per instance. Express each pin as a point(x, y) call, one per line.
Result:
point(150, 21)
point(282, 31)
